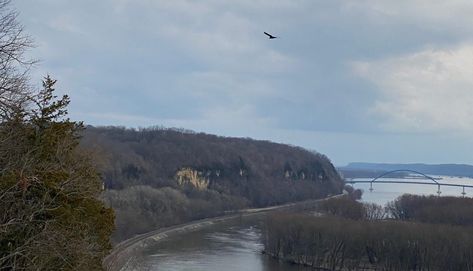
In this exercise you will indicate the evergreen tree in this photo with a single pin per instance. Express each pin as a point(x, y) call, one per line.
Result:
point(50, 214)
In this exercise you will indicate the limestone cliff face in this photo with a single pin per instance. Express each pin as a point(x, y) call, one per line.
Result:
point(316, 175)
point(189, 176)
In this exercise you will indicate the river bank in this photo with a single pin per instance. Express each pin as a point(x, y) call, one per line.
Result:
point(125, 252)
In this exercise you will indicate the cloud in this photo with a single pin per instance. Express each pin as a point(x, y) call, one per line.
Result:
point(428, 91)
point(206, 65)
point(438, 12)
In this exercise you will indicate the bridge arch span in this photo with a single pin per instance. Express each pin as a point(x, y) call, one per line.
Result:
point(432, 181)
point(405, 170)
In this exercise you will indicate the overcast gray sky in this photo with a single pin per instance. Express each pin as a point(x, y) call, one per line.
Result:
point(358, 80)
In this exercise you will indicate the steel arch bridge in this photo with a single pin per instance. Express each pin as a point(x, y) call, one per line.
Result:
point(432, 181)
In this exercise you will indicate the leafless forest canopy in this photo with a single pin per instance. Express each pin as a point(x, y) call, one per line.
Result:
point(410, 233)
point(139, 169)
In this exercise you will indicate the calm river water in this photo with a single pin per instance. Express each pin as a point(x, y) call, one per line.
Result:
point(230, 246)
point(235, 246)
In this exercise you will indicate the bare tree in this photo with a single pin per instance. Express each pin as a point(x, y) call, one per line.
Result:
point(14, 66)
point(374, 211)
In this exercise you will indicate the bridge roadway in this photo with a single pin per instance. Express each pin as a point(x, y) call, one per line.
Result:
point(434, 181)
point(408, 182)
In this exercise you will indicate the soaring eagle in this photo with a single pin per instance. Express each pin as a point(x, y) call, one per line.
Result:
point(269, 35)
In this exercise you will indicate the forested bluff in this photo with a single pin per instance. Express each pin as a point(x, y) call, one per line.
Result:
point(157, 177)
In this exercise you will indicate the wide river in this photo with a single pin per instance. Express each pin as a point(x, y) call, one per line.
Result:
point(237, 245)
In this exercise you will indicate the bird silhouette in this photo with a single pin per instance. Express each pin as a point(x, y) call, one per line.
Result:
point(270, 36)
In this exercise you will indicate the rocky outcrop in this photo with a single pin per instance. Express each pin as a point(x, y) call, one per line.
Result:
point(189, 176)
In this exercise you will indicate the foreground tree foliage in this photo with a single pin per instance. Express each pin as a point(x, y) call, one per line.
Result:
point(50, 215)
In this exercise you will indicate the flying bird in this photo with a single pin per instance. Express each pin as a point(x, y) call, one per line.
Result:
point(270, 36)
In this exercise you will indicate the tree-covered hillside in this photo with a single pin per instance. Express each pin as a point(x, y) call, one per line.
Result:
point(168, 176)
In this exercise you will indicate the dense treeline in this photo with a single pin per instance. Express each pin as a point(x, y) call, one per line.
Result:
point(426, 209)
point(432, 209)
point(164, 176)
point(357, 236)
point(348, 207)
point(337, 243)
point(143, 208)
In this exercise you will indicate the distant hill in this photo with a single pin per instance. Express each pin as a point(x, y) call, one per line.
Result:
point(166, 176)
point(460, 170)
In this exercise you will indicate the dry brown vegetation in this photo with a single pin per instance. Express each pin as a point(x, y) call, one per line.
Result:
point(140, 209)
point(355, 236)
point(433, 209)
